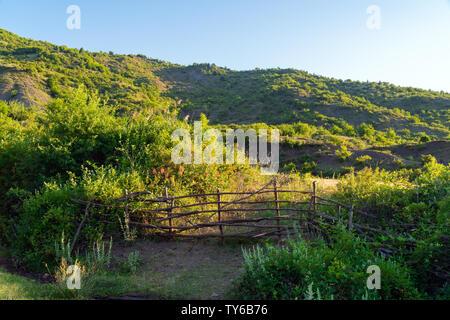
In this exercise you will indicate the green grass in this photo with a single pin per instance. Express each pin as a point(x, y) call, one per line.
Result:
point(196, 283)
point(193, 283)
point(13, 287)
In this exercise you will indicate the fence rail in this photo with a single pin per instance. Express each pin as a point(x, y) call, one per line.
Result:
point(248, 218)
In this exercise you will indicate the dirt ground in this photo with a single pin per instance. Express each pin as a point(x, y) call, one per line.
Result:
point(169, 269)
point(383, 157)
point(187, 269)
point(439, 149)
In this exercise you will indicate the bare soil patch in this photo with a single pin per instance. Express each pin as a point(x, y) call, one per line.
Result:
point(187, 269)
point(438, 149)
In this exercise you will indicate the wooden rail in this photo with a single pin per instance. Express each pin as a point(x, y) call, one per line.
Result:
point(272, 217)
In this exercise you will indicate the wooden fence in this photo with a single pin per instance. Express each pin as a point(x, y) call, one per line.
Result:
point(263, 213)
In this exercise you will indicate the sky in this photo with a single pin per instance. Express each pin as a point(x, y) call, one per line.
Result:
point(407, 43)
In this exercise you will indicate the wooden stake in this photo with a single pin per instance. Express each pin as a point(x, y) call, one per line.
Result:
point(314, 197)
point(169, 210)
point(277, 206)
point(219, 218)
point(350, 219)
point(127, 213)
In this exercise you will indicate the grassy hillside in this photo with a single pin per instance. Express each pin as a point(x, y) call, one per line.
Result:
point(34, 71)
point(278, 96)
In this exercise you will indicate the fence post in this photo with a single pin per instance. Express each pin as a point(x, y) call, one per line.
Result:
point(169, 210)
point(219, 215)
point(311, 211)
point(314, 198)
point(350, 219)
point(277, 206)
point(339, 213)
point(127, 213)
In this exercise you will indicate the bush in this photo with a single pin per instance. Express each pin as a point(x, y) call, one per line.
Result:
point(290, 168)
point(404, 197)
point(424, 138)
point(342, 153)
point(337, 271)
point(43, 218)
point(363, 159)
point(80, 126)
point(49, 212)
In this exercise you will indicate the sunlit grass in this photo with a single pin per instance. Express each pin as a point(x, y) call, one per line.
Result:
point(13, 287)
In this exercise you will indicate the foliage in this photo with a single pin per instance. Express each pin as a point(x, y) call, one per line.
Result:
point(99, 258)
point(337, 271)
point(133, 262)
point(343, 153)
point(301, 103)
point(363, 159)
point(418, 197)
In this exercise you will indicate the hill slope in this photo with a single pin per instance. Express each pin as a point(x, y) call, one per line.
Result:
point(35, 72)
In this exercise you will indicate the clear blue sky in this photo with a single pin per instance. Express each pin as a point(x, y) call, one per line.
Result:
point(326, 37)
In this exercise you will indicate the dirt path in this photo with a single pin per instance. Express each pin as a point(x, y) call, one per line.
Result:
point(186, 270)
point(169, 270)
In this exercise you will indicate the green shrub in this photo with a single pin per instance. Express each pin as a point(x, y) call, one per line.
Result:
point(366, 131)
point(81, 127)
point(337, 271)
point(309, 166)
point(342, 153)
point(289, 168)
point(99, 257)
point(337, 141)
point(49, 212)
point(424, 138)
point(132, 263)
point(9, 211)
point(428, 159)
point(403, 197)
point(43, 218)
point(363, 160)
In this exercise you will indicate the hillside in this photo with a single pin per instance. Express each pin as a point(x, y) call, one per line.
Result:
point(284, 96)
point(34, 72)
point(87, 178)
